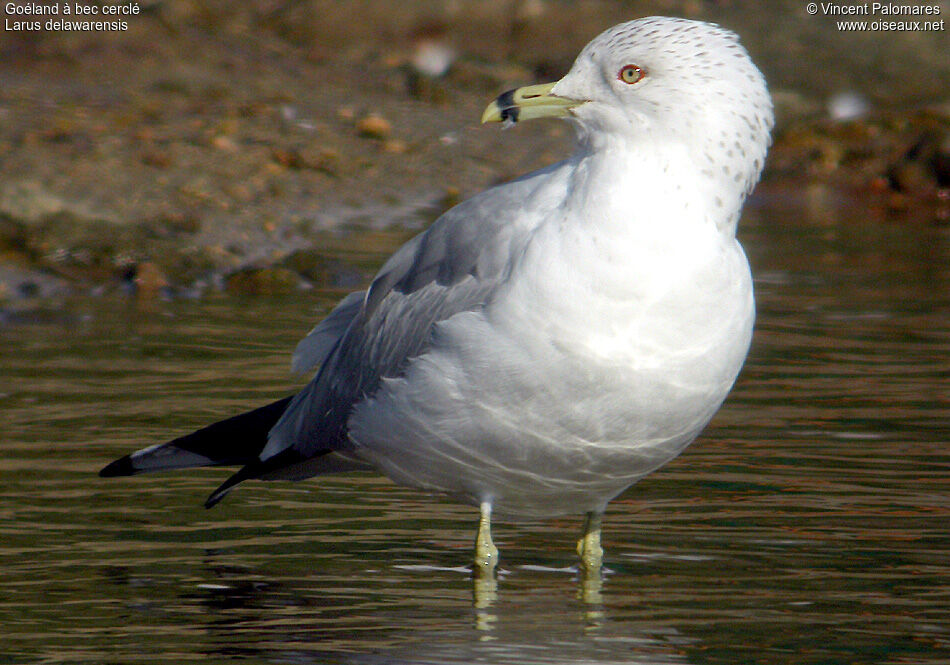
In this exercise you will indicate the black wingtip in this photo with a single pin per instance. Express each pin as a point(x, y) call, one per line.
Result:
point(216, 497)
point(121, 467)
point(244, 474)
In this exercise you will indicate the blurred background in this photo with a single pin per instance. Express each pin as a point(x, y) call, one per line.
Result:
point(215, 138)
point(182, 200)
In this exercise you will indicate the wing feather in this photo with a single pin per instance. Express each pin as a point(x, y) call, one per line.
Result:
point(313, 349)
point(454, 266)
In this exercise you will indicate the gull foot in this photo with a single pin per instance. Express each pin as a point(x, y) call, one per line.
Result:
point(588, 547)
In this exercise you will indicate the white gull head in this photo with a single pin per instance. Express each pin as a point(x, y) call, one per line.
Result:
point(683, 93)
point(668, 79)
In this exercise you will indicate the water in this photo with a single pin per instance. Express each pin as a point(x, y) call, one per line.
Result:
point(809, 524)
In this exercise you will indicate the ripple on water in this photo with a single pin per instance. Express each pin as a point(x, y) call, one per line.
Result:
point(808, 524)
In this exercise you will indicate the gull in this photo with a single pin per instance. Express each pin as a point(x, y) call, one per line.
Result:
point(549, 342)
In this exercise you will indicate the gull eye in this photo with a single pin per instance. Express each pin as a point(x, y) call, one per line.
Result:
point(631, 74)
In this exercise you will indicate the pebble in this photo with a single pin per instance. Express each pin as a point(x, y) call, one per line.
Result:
point(395, 146)
point(847, 105)
point(374, 126)
point(223, 142)
point(432, 57)
point(149, 279)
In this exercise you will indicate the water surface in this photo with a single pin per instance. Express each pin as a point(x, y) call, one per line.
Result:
point(809, 524)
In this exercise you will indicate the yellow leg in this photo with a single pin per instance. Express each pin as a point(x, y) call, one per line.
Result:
point(588, 547)
point(486, 554)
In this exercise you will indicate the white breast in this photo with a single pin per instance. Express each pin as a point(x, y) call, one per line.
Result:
point(606, 352)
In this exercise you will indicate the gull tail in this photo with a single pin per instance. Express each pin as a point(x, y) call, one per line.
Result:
point(235, 441)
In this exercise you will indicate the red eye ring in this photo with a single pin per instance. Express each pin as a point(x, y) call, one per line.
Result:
point(631, 74)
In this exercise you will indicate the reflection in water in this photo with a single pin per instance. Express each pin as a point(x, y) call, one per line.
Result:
point(484, 595)
point(807, 525)
point(301, 622)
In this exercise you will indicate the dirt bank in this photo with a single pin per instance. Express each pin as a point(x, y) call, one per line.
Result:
point(218, 144)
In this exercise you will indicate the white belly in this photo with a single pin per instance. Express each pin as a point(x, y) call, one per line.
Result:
point(571, 385)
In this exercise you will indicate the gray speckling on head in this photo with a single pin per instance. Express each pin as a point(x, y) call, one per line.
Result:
point(701, 88)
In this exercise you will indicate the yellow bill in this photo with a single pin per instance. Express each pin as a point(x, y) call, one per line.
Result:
point(533, 101)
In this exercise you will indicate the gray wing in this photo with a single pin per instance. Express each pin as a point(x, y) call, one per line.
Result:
point(313, 349)
point(453, 267)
